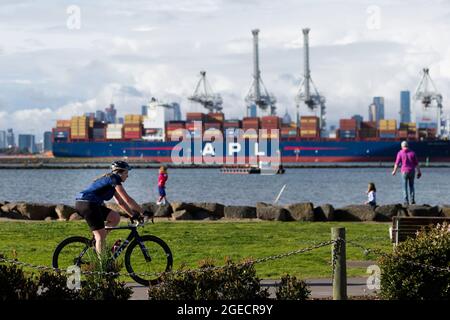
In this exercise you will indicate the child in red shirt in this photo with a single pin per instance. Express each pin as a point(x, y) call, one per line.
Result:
point(162, 178)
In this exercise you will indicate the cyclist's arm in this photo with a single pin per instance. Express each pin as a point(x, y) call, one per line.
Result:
point(120, 192)
point(122, 204)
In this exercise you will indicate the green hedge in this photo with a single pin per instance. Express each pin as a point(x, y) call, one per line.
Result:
point(403, 280)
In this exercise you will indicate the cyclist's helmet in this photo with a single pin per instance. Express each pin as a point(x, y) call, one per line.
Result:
point(120, 165)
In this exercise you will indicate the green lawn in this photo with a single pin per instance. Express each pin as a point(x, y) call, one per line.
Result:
point(191, 242)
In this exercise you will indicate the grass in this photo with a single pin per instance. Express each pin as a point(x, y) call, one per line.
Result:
point(190, 242)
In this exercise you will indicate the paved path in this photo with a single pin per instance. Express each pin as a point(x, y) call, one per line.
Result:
point(320, 288)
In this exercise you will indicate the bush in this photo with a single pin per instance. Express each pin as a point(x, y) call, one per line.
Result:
point(15, 284)
point(101, 286)
point(53, 286)
point(292, 289)
point(234, 281)
point(401, 280)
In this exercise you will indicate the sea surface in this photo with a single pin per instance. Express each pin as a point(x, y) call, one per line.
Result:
point(337, 186)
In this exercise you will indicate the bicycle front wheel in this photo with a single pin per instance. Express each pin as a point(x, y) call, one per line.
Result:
point(73, 251)
point(147, 258)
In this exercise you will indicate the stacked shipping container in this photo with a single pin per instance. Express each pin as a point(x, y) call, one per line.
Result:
point(309, 127)
point(388, 129)
point(79, 128)
point(348, 128)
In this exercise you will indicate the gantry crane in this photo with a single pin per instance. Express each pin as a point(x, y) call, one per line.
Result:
point(204, 95)
point(427, 93)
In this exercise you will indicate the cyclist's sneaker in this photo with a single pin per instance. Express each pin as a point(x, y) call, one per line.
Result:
point(116, 245)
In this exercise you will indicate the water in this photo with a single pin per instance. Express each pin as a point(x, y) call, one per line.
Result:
point(338, 187)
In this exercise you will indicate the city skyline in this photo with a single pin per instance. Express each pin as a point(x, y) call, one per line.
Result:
point(53, 70)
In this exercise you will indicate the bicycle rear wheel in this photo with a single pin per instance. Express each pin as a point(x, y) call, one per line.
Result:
point(73, 251)
point(151, 256)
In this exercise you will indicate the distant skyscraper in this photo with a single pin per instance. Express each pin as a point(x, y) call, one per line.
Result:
point(120, 120)
point(3, 139)
point(286, 118)
point(10, 140)
point(252, 110)
point(177, 111)
point(47, 141)
point(144, 110)
point(111, 114)
point(27, 143)
point(100, 116)
point(405, 106)
point(358, 119)
point(376, 109)
point(90, 115)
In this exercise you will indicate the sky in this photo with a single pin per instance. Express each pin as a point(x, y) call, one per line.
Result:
point(64, 58)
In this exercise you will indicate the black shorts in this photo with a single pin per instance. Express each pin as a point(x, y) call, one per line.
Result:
point(94, 214)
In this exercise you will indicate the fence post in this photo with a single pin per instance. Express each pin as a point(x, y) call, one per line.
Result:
point(340, 268)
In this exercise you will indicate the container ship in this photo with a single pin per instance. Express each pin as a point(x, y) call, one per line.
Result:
point(154, 138)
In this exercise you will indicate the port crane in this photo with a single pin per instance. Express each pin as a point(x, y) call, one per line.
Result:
point(204, 95)
point(313, 100)
point(427, 93)
point(263, 100)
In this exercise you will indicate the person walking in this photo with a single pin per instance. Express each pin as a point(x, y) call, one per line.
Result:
point(162, 179)
point(409, 163)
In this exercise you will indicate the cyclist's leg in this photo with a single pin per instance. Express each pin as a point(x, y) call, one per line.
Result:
point(112, 219)
point(100, 239)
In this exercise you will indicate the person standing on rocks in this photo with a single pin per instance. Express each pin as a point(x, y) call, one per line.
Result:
point(407, 159)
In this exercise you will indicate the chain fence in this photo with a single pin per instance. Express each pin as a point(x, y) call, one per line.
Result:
point(337, 246)
point(174, 272)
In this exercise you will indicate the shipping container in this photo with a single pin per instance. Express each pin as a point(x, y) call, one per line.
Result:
point(232, 124)
point(63, 123)
point(195, 116)
point(133, 119)
point(369, 125)
point(348, 124)
point(216, 117)
point(213, 125)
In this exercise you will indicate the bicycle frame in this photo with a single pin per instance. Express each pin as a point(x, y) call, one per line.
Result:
point(133, 235)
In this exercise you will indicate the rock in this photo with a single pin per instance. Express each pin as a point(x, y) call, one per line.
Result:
point(301, 211)
point(445, 209)
point(202, 215)
point(13, 215)
point(64, 212)
point(215, 209)
point(36, 211)
point(363, 212)
point(177, 206)
point(423, 211)
point(158, 210)
point(239, 212)
point(266, 211)
point(115, 207)
point(324, 212)
point(75, 216)
point(181, 215)
point(49, 219)
point(8, 207)
point(386, 212)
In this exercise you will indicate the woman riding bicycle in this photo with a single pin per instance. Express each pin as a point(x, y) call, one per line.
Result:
point(90, 202)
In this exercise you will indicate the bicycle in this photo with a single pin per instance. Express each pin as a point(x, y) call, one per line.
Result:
point(156, 253)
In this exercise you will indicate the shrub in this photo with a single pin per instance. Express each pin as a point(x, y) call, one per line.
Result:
point(292, 289)
point(233, 281)
point(15, 284)
point(53, 286)
point(102, 286)
point(401, 280)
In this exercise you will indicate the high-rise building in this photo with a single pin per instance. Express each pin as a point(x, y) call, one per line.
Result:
point(376, 109)
point(143, 110)
point(252, 110)
point(286, 118)
point(177, 111)
point(405, 106)
point(27, 143)
point(100, 116)
point(359, 119)
point(10, 139)
point(111, 114)
point(3, 139)
point(47, 141)
point(90, 115)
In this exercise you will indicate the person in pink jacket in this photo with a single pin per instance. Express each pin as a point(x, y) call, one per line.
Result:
point(162, 179)
point(409, 163)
